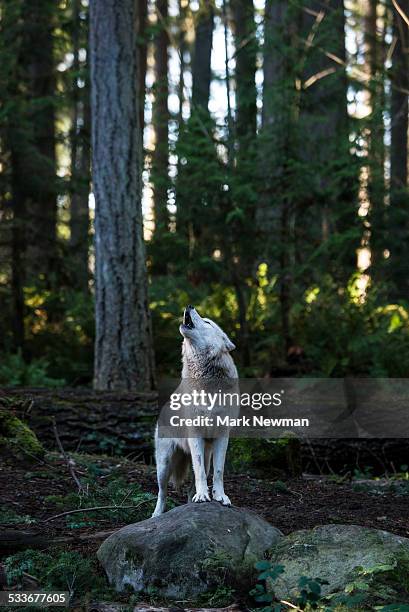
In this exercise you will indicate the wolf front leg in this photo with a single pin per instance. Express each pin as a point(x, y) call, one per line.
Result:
point(197, 451)
point(164, 453)
point(219, 455)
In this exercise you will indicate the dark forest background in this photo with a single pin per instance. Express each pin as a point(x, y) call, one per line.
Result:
point(272, 180)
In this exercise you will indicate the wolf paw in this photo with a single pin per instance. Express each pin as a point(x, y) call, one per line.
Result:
point(200, 497)
point(222, 498)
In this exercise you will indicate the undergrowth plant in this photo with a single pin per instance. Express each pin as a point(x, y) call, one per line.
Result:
point(371, 589)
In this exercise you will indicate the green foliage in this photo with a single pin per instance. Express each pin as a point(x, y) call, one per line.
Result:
point(216, 569)
point(373, 587)
point(345, 334)
point(61, 329)
point(14, 371)
point(9, 517)
point(268, 456)
point(116, 492)
point(65, 571)
point(108, 445)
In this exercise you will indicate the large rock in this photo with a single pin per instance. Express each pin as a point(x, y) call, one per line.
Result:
point(340, 554)
point(188, 550)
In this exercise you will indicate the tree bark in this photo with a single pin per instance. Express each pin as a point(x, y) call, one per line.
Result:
point(143, 54)
point(31, 138)
point(276, 208)
point(245, 75)
point(160, 155)
point(80, 163)
point(202, 54)
point(399, 103)
point(123, 346)
point(398, 226)
point(89, 421)
point(37, 60)
point(374, 51)
point(325, 135)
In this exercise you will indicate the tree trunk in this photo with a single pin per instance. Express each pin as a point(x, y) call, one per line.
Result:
point(276, 208)
point(143, 54)
point(18, 251)
point(38, 62)
point(325, 137)
point(399, 202)
point(202, 54)
point(31, 138)
point(123, 346)
point(245, 75)
point(80, 164)
point(160, 159)
point(374, 50)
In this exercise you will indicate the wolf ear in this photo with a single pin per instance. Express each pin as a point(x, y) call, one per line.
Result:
point(228, 343)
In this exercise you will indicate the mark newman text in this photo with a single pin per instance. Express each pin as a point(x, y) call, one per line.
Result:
point(244, 421)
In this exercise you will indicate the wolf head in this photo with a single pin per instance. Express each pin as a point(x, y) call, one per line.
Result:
point(206, 347)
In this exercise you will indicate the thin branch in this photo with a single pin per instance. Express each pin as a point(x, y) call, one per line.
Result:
point(316, 77)
point(95, 509)
point(401, 12)
point(68, 461)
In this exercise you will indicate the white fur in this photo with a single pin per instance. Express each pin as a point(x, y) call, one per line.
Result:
point(206, 356)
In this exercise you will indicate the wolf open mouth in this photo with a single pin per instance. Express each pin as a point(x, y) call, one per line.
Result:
point(187, 319)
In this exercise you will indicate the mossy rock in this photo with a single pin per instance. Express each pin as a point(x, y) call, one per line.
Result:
point(188, 551)
point(17, 439)
point(345, 557)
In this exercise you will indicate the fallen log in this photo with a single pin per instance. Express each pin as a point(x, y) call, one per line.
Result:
point(89, 421)
point(114, 607)
point(14, 540)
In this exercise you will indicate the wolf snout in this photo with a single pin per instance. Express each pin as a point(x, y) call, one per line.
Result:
point(187, 319)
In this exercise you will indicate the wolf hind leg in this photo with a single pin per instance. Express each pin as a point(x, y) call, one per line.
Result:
point(164, 452)
point(180, 466)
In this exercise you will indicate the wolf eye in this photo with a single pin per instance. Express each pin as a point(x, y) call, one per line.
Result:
point(208, 322)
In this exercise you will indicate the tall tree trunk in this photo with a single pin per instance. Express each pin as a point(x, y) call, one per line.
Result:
point(276, 206)
point(32, 137)
point(80, 164)
point(242, 171)
point(245, 76)
point(190, 210)
point(399, 201)
point(18, 251)
point(13, 145)
point(123, 347)
point(324, 141)
point(374, 51)
point(37, 61)
point(202, 55)
point(143, 53)
point(160, 158)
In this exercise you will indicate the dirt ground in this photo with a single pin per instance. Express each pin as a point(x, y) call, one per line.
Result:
point(297, 503)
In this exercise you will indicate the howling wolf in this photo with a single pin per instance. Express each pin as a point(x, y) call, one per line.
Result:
point(205, 356)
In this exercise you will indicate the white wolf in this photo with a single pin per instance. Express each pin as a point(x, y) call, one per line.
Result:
point(205, 355)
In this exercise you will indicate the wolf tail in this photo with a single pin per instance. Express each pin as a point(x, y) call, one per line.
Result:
point(180, 467)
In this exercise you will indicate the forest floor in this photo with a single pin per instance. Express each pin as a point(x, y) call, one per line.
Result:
point(296, 503)
point(30, 498)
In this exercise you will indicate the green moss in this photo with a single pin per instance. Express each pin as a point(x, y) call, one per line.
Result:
point(17, 437)
point(262, 457)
